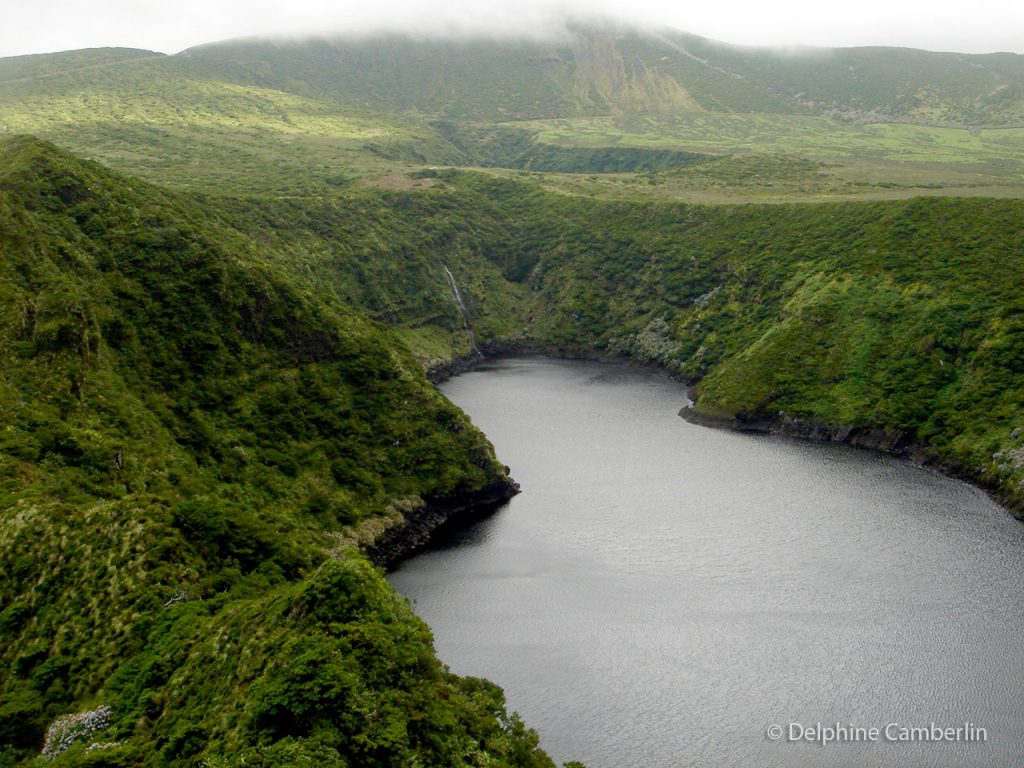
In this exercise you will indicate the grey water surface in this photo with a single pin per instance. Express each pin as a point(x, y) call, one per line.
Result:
point(661, 593)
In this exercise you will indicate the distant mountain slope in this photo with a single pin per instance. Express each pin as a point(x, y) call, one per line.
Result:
point(875, 84)
point(463, 79)
point(307, 117)
point(161, 115)
point(597, 72)
point(40, 66)
point(592, 72)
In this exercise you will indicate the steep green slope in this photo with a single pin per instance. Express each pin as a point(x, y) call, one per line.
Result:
point(190, 444)
point(900, 317)
point(386, 253)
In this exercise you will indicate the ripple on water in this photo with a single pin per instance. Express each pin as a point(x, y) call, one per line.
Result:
point(661, 592)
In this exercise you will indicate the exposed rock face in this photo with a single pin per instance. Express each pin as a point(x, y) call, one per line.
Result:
point(812, 429)
point(873, 438)
point(419, 525)
point(605, 80)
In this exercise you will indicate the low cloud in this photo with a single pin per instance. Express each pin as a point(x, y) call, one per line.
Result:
point(170, 26)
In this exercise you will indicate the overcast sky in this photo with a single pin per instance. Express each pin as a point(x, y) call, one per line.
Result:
point(977, 26)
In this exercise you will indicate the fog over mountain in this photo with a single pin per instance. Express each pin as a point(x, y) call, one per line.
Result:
point(52, 25)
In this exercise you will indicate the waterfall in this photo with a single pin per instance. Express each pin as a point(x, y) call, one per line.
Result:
point(462, 309)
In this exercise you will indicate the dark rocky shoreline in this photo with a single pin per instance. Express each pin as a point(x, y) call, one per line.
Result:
point(870, 438)
point(448, 369)
point(422, 524)
point(403, 541)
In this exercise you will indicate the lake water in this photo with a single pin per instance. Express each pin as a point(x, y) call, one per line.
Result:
point(660, 594)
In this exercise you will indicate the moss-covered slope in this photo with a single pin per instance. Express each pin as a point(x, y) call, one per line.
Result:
point(905, 317)
point(901, 316)
point(188, 443)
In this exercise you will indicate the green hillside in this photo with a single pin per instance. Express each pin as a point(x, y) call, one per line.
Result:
point(192, 446)
point(899, 316)
point(162, 118)
point(902, 317)
point(479, 80)
point(599, 71)
point(312, 117)
point(859, 84)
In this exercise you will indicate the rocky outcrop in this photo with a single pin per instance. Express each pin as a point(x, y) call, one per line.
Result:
point(605, 80)
point(872, 438)
point(419, 525)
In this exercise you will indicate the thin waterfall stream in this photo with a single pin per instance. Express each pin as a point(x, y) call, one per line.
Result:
point(462, 309)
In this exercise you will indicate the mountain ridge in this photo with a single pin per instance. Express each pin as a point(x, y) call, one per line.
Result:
point(662, 66)
point(604, 112)
point(673, 54)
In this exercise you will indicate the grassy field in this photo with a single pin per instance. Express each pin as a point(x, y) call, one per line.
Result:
point(758, 158)
point(206, 122)
point(783, 158)
point(158, 118)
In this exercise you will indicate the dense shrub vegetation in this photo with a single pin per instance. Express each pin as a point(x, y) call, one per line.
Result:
point(903, 316)
point(188, 440)
point(900, 315)
point(205, 397)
